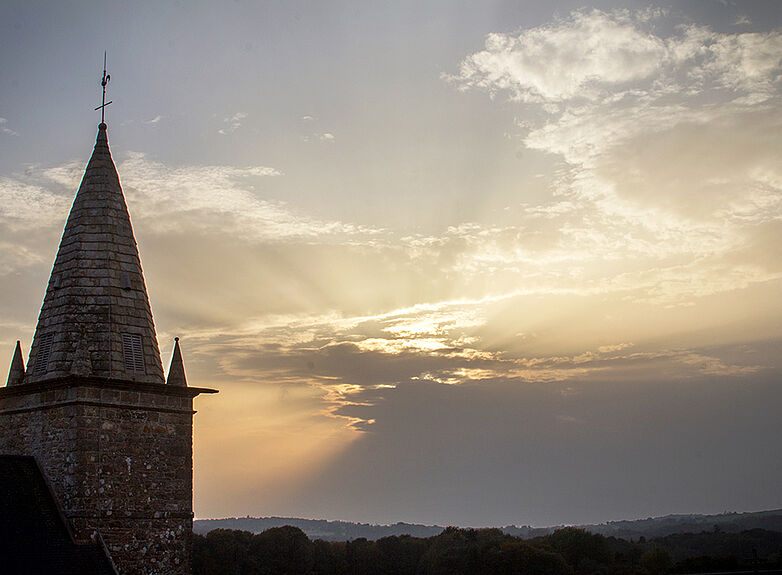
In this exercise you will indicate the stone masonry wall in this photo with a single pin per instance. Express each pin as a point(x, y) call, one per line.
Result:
point(119, 460)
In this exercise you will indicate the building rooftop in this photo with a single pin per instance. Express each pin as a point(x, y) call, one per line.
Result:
point(33, 535)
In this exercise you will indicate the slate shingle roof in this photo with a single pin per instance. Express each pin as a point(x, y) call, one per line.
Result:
point(96, 319)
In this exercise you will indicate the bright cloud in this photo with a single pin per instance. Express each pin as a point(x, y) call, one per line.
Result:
point(351, 359)
point(594, 55)
point(645, 212)
point(529, 268)
point(222, 199)
point(670, 144)
point(648, 213)
point(566, 60)
point(232, 123)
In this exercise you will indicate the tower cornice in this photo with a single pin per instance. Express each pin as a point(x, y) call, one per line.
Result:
point(70, 381)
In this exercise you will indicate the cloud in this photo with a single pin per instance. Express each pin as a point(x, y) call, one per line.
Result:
point(500, 453)
point(29, 204)
point(354, 359)
point(154, 120)
point(5, 129)
point(669, 147)
point(319, 136)
point(570, 59)
point(222, 202)
point(14, 257)
point(233, 123)
point(593, 55)
point(662, 213)
point(220, 199)
point(315, 136)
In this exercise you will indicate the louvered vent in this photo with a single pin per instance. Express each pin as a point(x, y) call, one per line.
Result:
point(44, 350)
point(134, 355)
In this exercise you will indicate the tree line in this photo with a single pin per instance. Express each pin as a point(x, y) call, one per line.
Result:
point(569, 551)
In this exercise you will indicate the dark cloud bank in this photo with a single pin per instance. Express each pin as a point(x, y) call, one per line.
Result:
point(497, 453)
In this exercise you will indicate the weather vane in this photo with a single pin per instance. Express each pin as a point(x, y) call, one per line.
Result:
point(103, 82)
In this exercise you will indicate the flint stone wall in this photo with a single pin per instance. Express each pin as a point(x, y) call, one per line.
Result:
point(118, 456)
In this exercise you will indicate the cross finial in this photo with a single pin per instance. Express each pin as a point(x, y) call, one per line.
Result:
point(103, 82)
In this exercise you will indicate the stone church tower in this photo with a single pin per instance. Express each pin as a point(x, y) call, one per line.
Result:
point(112, 436)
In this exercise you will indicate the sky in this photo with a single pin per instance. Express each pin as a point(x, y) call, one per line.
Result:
point(456, 263)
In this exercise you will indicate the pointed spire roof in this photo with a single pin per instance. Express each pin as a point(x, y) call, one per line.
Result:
point(176, 372)
point(16, 373)
point(95, 319)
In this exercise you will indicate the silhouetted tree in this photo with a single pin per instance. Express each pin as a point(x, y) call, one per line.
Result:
point(282, 550)
point(222, 552)
point(399, 555)
point(656, 562)
point(362, 557)
point(288, 551)
point(583, 550)
point(489, 552)
point(517, 556)
point(329, 558)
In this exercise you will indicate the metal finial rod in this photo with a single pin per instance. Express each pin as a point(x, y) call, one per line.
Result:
point(103, 82)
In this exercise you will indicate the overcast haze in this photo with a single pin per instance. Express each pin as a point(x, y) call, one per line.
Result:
point(472, 263)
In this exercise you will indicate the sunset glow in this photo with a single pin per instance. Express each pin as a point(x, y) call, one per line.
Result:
point(450, 263)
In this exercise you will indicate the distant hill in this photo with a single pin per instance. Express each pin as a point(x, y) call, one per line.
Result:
point(651, 527)
point(318, 528)
point(669, 524)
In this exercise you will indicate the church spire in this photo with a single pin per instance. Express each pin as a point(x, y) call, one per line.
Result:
point(95, 316)
point(16, 373)
point(176, 372)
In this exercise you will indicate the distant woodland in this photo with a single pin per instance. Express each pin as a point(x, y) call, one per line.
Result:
point(568, 551)
point(632, 529)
